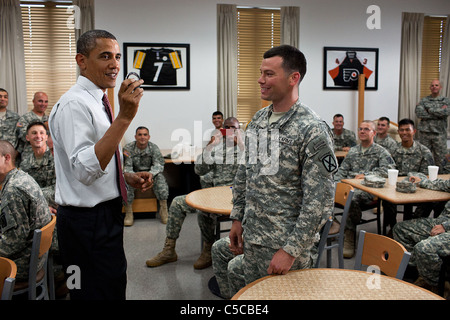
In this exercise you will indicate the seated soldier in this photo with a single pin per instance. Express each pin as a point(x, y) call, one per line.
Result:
point(343, 138)
point(362, 160)
point(382, 137)
point(40, 163)
point(409, 156)
point(215, 169)
point(144, 156)
point(427, 239)
point(23, 210)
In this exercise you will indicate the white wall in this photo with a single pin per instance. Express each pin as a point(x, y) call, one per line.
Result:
point(322, 23)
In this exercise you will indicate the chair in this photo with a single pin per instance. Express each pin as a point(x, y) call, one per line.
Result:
point(42, 240)
point(444, 274)
point(8, 270)
point(386, 253)
point(375, 204)
point(342, 199)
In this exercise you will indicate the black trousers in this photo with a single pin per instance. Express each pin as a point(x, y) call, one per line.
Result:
point(91, 246)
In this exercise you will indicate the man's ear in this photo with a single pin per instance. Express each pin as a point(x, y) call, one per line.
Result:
point(81, 61)
point(295, 78)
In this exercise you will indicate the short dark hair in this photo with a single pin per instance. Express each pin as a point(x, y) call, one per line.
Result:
point(293, 59)
point(3, 90)
point(217, 113)
point(338, 115)
point(35, 123)
point(87, 40)
point(405, 121)
point(385, 119)
point(142, 128)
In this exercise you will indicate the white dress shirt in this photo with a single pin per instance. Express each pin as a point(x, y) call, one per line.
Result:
point(77, 122)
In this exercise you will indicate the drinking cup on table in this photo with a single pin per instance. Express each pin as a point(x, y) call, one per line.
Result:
point(432, 172)
point(392, 176)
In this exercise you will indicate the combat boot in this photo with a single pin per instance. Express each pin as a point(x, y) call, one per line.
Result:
point(163, 211)
point(349, 244)
point(128, 216)
point(204, 261)
point(167, 255)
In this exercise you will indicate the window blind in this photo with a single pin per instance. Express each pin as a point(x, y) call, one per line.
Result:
point(432, 40)
point(258, 30)
point(50, 50)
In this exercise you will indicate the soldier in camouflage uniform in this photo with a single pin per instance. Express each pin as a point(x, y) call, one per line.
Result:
point(216, 166)
point(382, 137)
point(40, 104)
point(433, 112)
point(139, 156)
point(427, 238)
point(284, 191)
point(40, 163)
point(343, 138)
point(23, 210)
point(409, 156)
point(8, 120)
point(365, 159)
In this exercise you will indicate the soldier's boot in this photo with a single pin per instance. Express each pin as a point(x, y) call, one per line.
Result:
point(163, 213)
point(349, 243)
point(204, 261)
point(167, 255)
point(128, 216)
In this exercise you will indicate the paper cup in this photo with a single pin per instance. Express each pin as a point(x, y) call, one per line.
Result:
point(433, 172)
point(392, 176)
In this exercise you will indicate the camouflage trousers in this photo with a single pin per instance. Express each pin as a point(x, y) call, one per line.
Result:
point(425, 249)
point(360, 198)
point(437, 143)
point(177, 213)
point(160, 188)
point(235, 272)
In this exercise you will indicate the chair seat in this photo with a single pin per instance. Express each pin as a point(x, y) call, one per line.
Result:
point(24, 284)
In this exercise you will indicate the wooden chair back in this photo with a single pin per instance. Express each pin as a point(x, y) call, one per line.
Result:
point(8, 271)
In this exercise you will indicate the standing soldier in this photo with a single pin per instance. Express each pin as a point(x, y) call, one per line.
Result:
point(433, 112)
point(284, 191)
point(144, 156)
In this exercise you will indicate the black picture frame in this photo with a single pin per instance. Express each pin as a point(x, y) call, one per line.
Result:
point(342, 66)
point(163, 66)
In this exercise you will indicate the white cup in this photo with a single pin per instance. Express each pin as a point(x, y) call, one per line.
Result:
point(433, 172)
point(392, 176)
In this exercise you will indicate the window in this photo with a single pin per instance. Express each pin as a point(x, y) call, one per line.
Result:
point(50, 49)
point(258, 30)
point(432, 40)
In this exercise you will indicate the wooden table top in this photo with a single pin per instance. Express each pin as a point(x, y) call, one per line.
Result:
point(390, 194)
point(212, 200)
point(332, 284)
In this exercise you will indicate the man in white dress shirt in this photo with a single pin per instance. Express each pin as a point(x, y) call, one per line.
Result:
point(90, 219)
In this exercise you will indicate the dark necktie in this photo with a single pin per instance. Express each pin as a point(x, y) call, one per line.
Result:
point(120, 178)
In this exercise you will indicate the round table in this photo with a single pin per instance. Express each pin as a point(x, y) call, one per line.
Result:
point(332, 284)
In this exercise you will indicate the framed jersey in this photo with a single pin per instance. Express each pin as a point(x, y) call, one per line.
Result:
point(343, 65)
point(162, 66)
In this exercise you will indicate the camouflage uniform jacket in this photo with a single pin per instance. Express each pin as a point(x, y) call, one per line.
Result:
point(439, 185)
point(417, 158)
point(43, 173)
point(8, 127)
point(346, 139)
point(218, 166)
point(432, 117)
point(21, 129)
point(388, 143)
point(285, 190)
point(375, 160)
point(149, 159)
point(23, 209)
